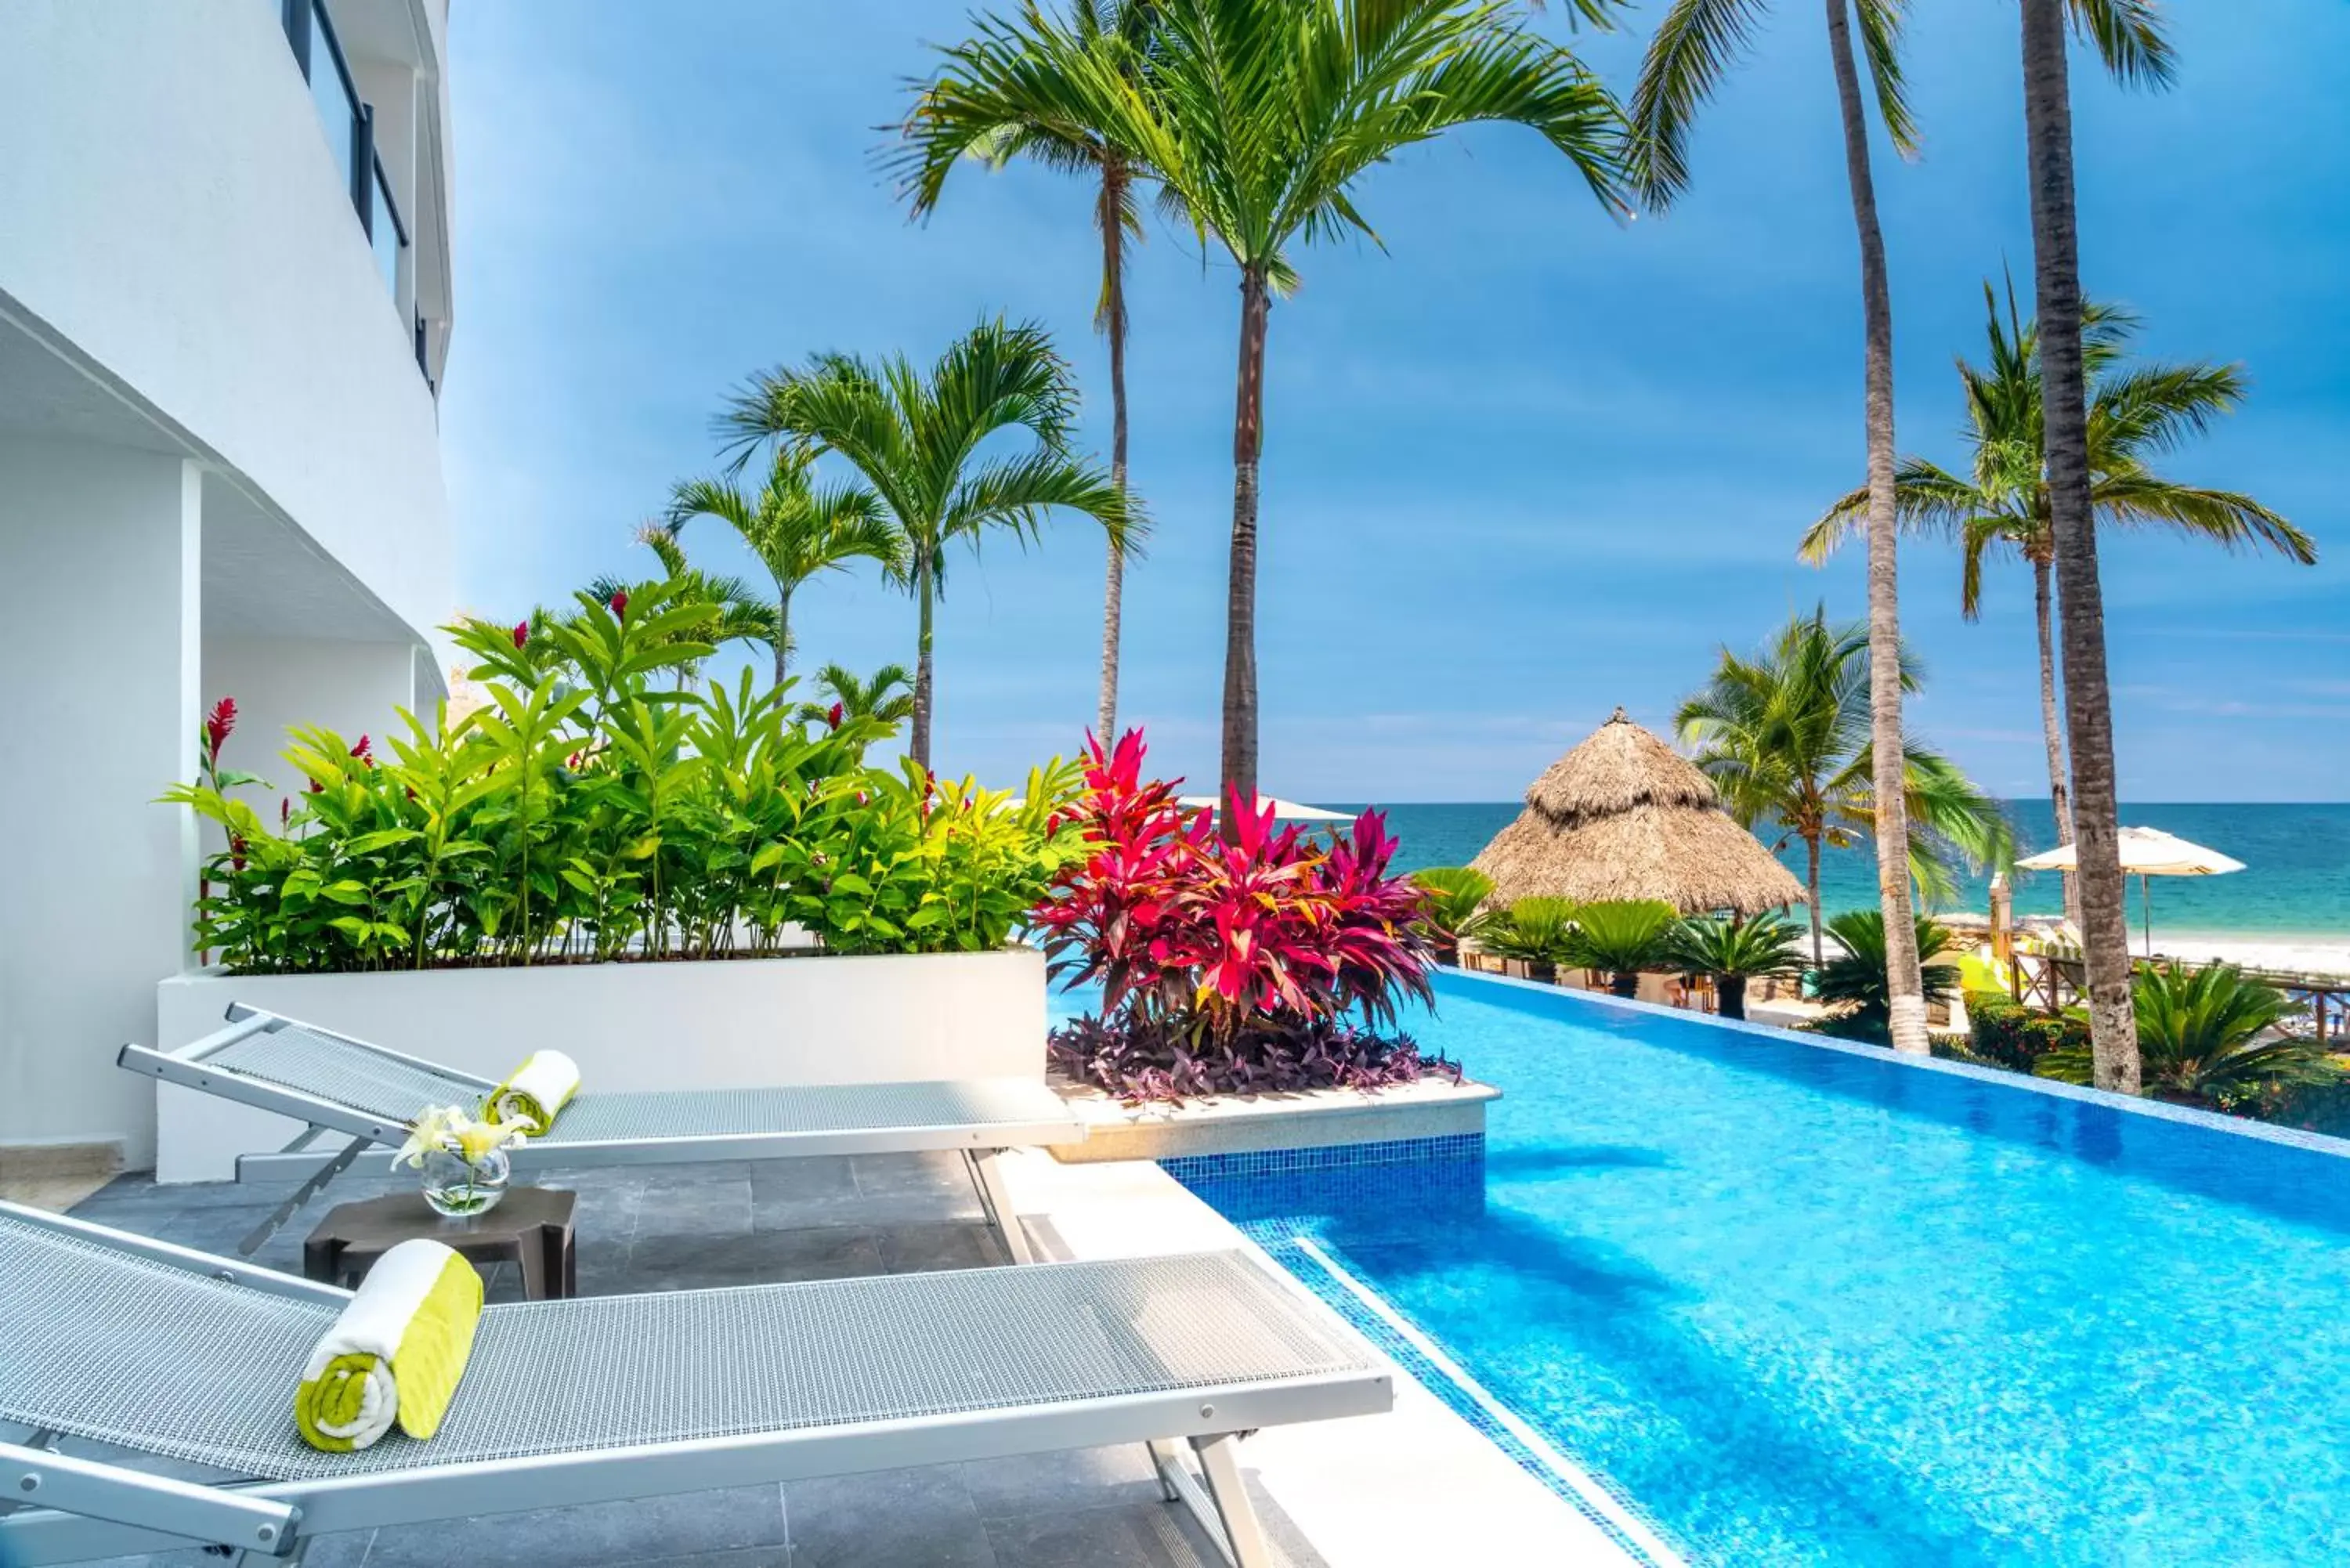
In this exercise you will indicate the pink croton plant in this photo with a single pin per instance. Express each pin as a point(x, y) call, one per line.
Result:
point(1279, 945)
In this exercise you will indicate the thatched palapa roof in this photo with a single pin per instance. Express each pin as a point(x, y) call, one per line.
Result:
point(1624, 816)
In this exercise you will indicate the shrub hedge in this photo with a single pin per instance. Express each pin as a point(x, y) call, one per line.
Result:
point(2006, 1034)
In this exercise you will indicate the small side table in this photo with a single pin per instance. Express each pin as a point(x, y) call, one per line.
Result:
point(530, 1228)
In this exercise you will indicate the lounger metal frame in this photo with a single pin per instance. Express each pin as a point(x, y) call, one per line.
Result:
point(81, 1510)
point(980, 1146)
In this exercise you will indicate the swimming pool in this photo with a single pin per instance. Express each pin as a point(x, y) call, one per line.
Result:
point(1802, 1304)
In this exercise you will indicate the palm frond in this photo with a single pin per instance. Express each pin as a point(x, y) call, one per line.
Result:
point(1928, 499)
point(2128, 35)
point(1695, 45)
point(2225, 517)
point(1880, 44)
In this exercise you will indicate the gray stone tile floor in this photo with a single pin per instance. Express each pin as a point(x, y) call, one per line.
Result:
point(682, 1227)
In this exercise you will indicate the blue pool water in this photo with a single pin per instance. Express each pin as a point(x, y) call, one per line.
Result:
point(1807, 1307)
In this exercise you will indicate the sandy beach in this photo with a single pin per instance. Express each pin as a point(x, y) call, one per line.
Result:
point(2316, 954)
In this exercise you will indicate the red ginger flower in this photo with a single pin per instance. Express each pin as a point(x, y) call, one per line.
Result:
point(521, 632)
point(220, 724)
point(363, 751)
point(620, 605)
point(835, 714)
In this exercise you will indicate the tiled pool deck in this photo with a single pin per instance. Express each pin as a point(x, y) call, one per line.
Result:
point(1326, 1491)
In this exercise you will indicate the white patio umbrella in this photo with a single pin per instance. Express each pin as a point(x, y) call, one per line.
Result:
point(2146, 852)
point(1283, 810)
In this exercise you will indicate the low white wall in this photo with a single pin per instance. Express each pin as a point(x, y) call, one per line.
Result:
point(817, 1019)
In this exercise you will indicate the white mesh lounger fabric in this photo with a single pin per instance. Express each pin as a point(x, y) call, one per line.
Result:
point(335, 1082)
point(119, 1341)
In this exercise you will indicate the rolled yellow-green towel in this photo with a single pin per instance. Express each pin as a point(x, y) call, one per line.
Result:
point(396, 1353)
point(535, 1093)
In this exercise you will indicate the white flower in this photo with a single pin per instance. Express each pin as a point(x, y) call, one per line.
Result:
point(458, 1131)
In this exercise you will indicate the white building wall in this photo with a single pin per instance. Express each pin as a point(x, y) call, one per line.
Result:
point(100, 546)
point(199, 365)
point(351, 687)
point(172, 208)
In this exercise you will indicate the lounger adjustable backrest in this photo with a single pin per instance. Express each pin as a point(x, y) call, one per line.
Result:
point(310, 1073)
point(180, 1356)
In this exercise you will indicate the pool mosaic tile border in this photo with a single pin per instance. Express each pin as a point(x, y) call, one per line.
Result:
point(1278, 1239)
point(1424, 1176)
point(1275, 1161)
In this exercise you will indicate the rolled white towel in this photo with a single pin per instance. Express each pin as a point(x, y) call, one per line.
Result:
point(396, 1353)
point(535, 1093)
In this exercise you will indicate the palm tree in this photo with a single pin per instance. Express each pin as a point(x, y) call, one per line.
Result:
point(744, 616)
point(1787, 736)
point(2000, 507)
point(796, 529)
point(886, 694)
point(1257, 121)
point(2129, 37)
point(914, 436)
point(985, 102)
point(1694, 46)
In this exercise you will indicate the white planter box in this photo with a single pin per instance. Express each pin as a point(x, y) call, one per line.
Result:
point(754, 1021)
point(1240, 1124)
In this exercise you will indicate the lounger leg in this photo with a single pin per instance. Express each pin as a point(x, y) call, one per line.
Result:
point(996, 1199)
point(1240, 1535)
point(1169, 1463)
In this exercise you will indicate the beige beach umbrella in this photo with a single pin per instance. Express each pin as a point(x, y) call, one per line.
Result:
point(1282, 810)
point(1624, 816)
point(2146, 852)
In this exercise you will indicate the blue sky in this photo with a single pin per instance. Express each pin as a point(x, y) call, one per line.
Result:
point(1527, 465)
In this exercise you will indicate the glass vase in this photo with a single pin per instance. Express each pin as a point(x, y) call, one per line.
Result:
point(458, 1188)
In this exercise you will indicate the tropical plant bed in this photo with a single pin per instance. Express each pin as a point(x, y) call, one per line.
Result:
point(1237, 1124)
point(819, 1018)
point(590, 810)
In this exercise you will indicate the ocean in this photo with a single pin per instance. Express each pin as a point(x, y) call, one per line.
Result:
point(2295, 882)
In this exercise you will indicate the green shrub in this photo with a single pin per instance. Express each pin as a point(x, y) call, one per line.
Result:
point(1532, 931)
point(1618, 938)
point(2006, 1033)
point(2205, 1038)
point(1734, 951)
point(589, 812)
point(1857, 976)
point(1455, 905)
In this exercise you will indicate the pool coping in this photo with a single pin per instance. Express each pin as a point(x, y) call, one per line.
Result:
point(1469, 1499)
point(1998, 1077)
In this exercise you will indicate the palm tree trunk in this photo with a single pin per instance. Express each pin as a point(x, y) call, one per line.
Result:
point(1240, 597)
point(2055, 248)
point(1811, 886)
point(2060, 797)
point(1113, 228)
point(783, 632)
point(919, 743)
point(1905, 984)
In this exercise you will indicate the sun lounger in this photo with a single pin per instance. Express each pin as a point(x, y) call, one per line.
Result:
point(337, 1084)
point(179, 1356)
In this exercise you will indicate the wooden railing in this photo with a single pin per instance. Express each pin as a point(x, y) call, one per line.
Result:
point(2317, 1010)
